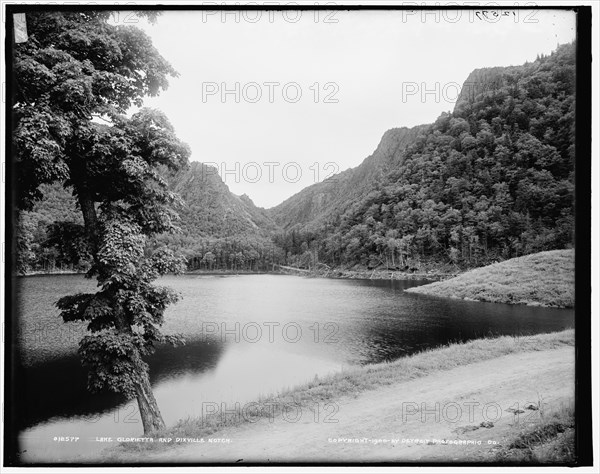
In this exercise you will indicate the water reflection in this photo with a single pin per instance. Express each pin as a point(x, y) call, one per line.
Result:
point(210, 375)
point(306, 327)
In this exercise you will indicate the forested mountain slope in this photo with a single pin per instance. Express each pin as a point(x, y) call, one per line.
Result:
point(220, 230)
point(323, 203)
point(212, 219)
point(210, 209)
point(492, 180)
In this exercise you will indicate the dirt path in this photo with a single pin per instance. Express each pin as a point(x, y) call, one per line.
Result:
point(412, 416)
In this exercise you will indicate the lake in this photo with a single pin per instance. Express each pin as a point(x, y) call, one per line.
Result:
point(247, 336)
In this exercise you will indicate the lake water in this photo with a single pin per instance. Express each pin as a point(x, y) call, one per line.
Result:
point(246, 336)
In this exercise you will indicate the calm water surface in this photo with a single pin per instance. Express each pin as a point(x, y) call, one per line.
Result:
point(246, 336)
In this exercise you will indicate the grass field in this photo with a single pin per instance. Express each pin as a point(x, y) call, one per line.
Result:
point(541, 279)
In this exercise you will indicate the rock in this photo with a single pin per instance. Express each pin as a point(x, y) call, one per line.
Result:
point(464, 429)
point(486, 424)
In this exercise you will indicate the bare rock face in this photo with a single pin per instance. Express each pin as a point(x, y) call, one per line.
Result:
point(324, 202)
point(484, 80)
point(211, 209)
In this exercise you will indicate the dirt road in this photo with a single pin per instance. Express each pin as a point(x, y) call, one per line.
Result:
point(433, 418)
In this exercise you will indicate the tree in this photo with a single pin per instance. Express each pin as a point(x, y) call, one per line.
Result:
point(209, 259)
point(69, 240)
point(74, 81)
point(24, 240)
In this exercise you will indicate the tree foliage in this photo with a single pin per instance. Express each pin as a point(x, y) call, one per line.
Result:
point(75, 80)
point(490, 181)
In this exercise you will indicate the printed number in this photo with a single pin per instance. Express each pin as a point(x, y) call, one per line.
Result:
point(335, 409)
point(330, 338)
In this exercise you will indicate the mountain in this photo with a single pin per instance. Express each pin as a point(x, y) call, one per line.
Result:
point(213, 219)
point(324, 202)
point(220, 230)
point(492, 180)
point(211, 210)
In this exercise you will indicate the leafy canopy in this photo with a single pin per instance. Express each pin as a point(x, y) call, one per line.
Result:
point(75, 80)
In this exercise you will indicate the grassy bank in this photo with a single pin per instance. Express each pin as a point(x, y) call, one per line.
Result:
point(551, 441)
point(541, 279)
point(356, 381)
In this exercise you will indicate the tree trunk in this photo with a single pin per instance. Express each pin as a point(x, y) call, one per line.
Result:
point(151, 418)
point(149, 412)
point(90, 219)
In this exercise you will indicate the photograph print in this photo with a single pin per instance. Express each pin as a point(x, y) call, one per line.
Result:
point(297, 234)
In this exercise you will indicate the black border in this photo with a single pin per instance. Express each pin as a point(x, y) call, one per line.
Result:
point(583, 229)
point(583, 336)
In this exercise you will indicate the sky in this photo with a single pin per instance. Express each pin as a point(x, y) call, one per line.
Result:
point(280, 100)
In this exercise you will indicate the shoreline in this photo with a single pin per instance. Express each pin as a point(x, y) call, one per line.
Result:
point(49, 273)
point(383, 275)
point(338, 274)
point(355, 383)
point(335, 274)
